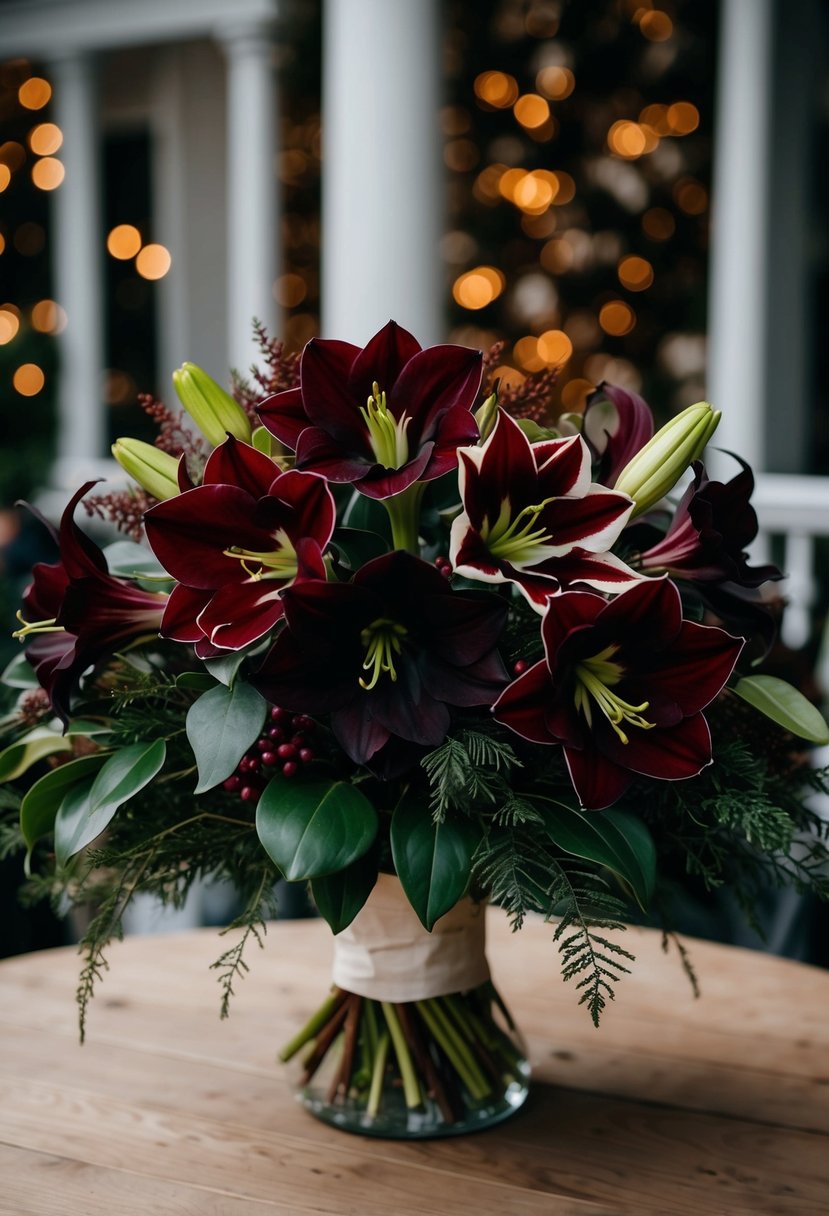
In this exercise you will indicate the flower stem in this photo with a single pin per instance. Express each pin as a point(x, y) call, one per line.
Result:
point(313, 1026)
point(377, 1076)
point(404, 514)
point(411, 1088)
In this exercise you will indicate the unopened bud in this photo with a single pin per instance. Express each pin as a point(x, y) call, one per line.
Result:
point(486, 416)
point(213, 410)
point(658, 466)
point(154, 470)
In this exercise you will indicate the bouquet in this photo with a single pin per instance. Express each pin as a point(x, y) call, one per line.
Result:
point(385, 629)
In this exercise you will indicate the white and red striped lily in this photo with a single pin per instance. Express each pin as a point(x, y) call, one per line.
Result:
point(533, 517)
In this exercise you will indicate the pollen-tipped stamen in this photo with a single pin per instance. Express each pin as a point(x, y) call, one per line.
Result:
point(595, 678)
point(276, 563)
point(516, 540)
point(383, 642)
point(31, 627)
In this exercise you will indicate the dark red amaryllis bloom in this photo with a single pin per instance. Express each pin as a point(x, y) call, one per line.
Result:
point(622, 687)
point(234, 542)
point(386, 654)
point(382, 417)
point(532, 517)
point(75, 612)
point(617, 424)
point(712, 527)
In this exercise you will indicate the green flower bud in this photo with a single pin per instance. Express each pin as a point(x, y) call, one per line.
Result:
point(657, 468)
point(154, 470)
point(487, 415)
point(213, 410)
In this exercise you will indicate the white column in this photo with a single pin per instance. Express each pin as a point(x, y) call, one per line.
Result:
point(381, 184)
point(78, 270)
point(252, 211)
point(737, 308)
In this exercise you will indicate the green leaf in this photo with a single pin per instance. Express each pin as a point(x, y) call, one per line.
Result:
point(353, 547)
point(129, 559)
point(612, 838)
point(314, 828)
point(433, 860)
point(368, 514)
point(18, 757)
point(19, 673)
point(86, 809)
point(339, 897)
point(221, 726)
point(785, 706)
point(195, 681)
point(40, 803)
point(226, 667)
point(88, 727)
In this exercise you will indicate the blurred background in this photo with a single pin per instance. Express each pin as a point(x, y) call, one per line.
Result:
point(624, 190)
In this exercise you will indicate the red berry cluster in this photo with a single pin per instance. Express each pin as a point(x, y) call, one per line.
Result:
point(444, 565)
point(283, 745)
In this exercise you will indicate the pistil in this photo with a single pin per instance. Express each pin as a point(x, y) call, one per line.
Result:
point(31, 627)
point(518, 539)
point(279, 562)
point(387, 435)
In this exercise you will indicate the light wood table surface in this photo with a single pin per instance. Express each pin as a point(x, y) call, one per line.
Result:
point(715, 1106)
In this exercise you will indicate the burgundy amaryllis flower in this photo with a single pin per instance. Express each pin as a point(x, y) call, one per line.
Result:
point(386, 654)
point(617, 424)
point(382, 417)
point(234, 542)
point(622, 687)
point(712, 527)
point(75, 612)
point(532, 517)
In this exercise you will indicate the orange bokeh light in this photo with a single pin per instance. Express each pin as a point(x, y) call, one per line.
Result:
point(656, 25)
point(476, 288)
point(123, 242)
point(34, 93)
point(635, 273)
point(28, 380)
point(617, 318)
point(554, 347)
point(9, 325)
point(682, 118)
point(496, 89)
point(627, 139)
point(531, 110)
point(45, 138)
point(153, 262)
point(658, 224)
point(48, 317)
point(47, 174)
point(556, 82)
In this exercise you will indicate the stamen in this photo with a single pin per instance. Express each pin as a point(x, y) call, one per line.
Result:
point(594, 679)
point(383, 642)
point(30, 627)
point(279, 562)
point(517, 538)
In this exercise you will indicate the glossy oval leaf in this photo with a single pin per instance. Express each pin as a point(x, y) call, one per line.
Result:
point(40, 803)
point(86, 810)
point(612, 838)
point(339, 897)
point(785, 706)
point(353, 547)
point(433, 860)
point(221, 726)
point(19, 673)
point(313, 828)
point(368, 514)
point(18, 757)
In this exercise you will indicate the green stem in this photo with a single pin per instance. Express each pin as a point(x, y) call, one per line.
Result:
point(312, 1027)
point(453, 1049)
point(404, 514)
point(377, 1076)
point(411, 1086)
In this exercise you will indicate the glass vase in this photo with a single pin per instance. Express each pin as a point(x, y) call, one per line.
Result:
point(413, 1041)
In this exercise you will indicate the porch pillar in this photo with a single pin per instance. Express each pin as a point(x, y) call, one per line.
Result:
point(78, 270)
point(737, 303)
point(252, 209)
point(381, 213)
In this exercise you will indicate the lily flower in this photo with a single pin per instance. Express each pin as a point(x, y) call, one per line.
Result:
point(621, 688)
point(75, 612)
point(617, 424)
point(532, 517)
point(382, 417)
point(234, 543)
point(386, 654)
point(712, 527)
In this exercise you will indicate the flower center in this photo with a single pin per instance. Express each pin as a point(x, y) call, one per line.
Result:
point(595, 678)
point(276, 563)
point(383, 640)
point(517, 539)
point(30, 627)
point(386, 434)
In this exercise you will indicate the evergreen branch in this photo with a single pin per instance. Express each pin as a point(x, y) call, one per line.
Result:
point(231, 965)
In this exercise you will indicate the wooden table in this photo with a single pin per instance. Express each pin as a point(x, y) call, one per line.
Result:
point(716, 1106)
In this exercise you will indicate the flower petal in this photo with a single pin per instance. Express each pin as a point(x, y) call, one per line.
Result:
point(433, 382)
point(283, 414)
point(617, 424)
point(592, 522)
point(596, 779)
point(238, 464)
point(672, 754)
point(318, 452)
point(381, 482)
point(311, 503)
point(358, 733)
point(189, 534)
point(380, 362)
point(697, 666)
point(522, 705)
point(324, 371)
point(456, 427)
point(239, 613)
point(648, 616)
point(563, 466)
point(179, 622)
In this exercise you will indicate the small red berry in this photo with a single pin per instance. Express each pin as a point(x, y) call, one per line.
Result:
point(289, 768)
point(286, 751)
point(306, 755)
point(264, 744)
point(232, 784)
point(278, 714)
point(303, 722)
point(276, 732)
point(249, 793)
point(519, 667)
point(270, 759)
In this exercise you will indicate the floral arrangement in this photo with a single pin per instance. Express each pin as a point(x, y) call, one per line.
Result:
point(380, 617)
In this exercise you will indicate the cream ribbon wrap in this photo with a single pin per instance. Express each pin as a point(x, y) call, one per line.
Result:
point(385, 954)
